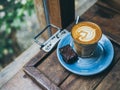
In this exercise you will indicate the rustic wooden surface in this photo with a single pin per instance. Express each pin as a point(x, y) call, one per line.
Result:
point(112, 80)
point(40, 13)
point(61, 12)
point(21, 82)
point(9, 71)
point(46, 71)
point(41, 16)
point(41, 79)
point(53, 70)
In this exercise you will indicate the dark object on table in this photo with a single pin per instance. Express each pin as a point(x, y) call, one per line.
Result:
point(68, 54)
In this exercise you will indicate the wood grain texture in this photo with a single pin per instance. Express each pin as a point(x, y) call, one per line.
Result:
point(37, 58)
point(37, 75)
point(52, 69)
point(40, 13)
point(54, 12)
point(113, 4)
point(41, 17)
point(112, 80)
point(9, 71)
point(61, 12)
point(41, 79)
point(20, 82)
point(74, 82)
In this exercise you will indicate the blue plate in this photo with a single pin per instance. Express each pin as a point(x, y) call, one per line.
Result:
point(88, 66)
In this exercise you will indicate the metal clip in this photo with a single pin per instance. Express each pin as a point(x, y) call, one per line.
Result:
point(48, 45)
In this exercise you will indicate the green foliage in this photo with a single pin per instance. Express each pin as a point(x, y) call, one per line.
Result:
point(12, 14)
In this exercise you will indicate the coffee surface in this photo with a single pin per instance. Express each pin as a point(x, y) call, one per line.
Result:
point(86, 33)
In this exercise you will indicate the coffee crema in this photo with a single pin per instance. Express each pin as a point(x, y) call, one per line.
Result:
point(86, 33)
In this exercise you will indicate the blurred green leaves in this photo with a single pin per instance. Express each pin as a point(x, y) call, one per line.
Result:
point(12, 14)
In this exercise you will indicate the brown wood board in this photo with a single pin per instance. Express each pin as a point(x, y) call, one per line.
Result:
point(36, 75)
point(52, 69)
point(21, 81)
point(112, 80)
point(61, 12)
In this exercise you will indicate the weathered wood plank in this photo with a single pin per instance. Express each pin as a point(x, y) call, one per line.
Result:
point(40, 13)
point(52, 69)
point(40, 58)
point(54, 12)
point(41, 16)
point(113, 4)
point(20, 82)
point(41, 79)
point(74, 82)
point(9, 71)
point(37, 58)
point(61, 12)
point(112, 80)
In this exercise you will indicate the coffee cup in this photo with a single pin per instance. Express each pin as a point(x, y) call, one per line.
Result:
point(85, 37)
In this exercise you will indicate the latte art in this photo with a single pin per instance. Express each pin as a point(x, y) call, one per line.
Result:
point(86, 33)
point(85, 37)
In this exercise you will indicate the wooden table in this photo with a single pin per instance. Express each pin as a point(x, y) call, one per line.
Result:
point(45, 72)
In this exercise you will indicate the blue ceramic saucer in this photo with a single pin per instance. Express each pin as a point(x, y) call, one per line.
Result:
point(88, 66)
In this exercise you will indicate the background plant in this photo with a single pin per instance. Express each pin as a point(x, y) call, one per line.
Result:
point(12, 14)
